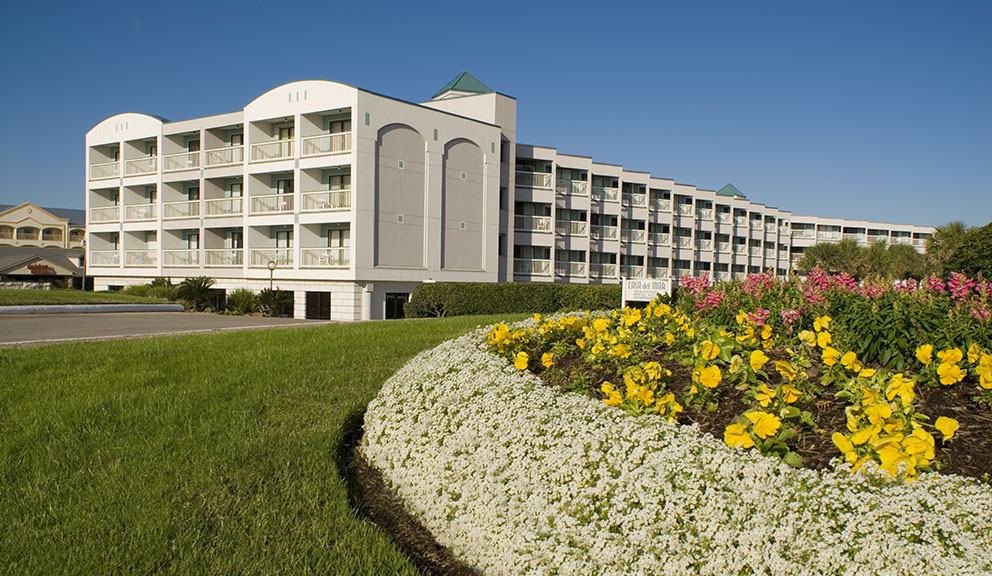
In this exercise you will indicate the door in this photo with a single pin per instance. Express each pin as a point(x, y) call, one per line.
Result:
point(394, 304)
point(318, 305)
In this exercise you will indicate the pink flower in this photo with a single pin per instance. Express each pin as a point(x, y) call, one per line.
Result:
point(960, 286)
point(712, 300)
point(980, 311)
point(759, 316)
point(935, 284)
point(790, 317)
point(846, 281)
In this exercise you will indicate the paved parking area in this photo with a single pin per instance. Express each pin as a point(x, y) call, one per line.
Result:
point(27, 329)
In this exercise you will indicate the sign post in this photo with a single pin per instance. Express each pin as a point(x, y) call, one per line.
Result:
point(644, 289)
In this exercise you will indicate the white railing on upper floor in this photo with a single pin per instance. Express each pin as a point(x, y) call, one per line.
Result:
point(105, 258)
point(532, 267)
point(526, 223)
point(260, 257)
point(327, 144)
point(141, 166)
point(324, 200)
point(224, 257)
point(534, 179)
point(184, 209)
point(605, 194)
point(182, 161)
point(105, 214)
point(105, 170)
point(603, 232)
point(225, 156)
point(275, 150)
point(324, 257)
point(224, 206)
point(180, 258)
point(271, 203)
point(572, 187)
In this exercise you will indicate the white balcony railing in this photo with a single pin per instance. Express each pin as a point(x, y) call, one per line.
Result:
point(754, 224)
point(224, 206)
point(684, 209)
point(740, 249)
point(901, 240)
point(723, 218)
point(827, 235)
point(105, 258)
point(769, 253)
point(105, 214)
point(740, 221)
point(141, 258)
point(184, 209)
point(661, 204)
point(636, 200)
point(770, 227)
point(600, 270)
point(603, 232)
point(704, 244)
point(180, 258)
point(605, 194)
point(873, 238)
point(141, 166)
point(705, 213)
point(532, 267)
point(633, 271)
point(324, 257)
point(572, 187)
point(327, 144)
point(658, 272)
point(803, 233)
point(140, 212)
point(783, 255)
point(183, 161)
point(275, 150)
point(525, 223)
point(225, 156)
point(754, 251)
point(260, 257)
point(226, 257)
point(632, 235)
point(855, 237)
point(271, 203)
point(683, 241)
point(571, 228)
point(723, 247)
point(721, 276)
point(916, 241)
point(660, 239)
point(570, 268)
point(105, 170)
point(323, 200)
point(534, 179)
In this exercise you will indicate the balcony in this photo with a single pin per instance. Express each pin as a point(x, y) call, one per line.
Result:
point(754, 224)
point(105, 258)
point(6, 233)
point(828, 235)
point(51, 236)
point(224, 258)
point(570, 268)
point(919, 242)
point(260, 257)
point(605, 194)
point(141, 258)
point(633, 271)
point(723, 218)
point(632, 235)
point(783, 255)
point(705, 213)
point(769, 253)
point(324, 257)
point(532, 223)
point(275, 150)
point(636, 200)
point(31, 234)
point(660, 239)
point(180, 258)
point(105, 170)
point(683, 241)
point(754, 251)
point(658, 272)
point(804, 233)
point(271, 204)
point(740, 221)
point(599, 270)
point(532, 267)
point(603, 232)
point(225, 156)
point(721, 276)
point(184, 209)
point(723, 247)
point(183, 161)
point(137, 212)
point(740, 249)
point(105, 214)
point(327, 144)
point(141, 166)
point(874, 238)
point(855, 237)
point(661, 204)
point(570, 228)
point(684, 209)
point(770, 227)
point(901, 240)
point(704, 245)
point(572, 187)
point(224, 206)
point(324, 200)
point(534, 179)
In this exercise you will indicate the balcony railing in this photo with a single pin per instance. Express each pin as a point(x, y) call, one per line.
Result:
point(658, 272)
point(704, 245)
point(534, 179)
point(573, 187)
point(636, 200)
point(754, 224)
point(183, 209)
point(901, 240)
point(783, 254)
point(769, 253)
point(180, 258)
point(723, 247)
point(705, 213)
point(225, 156)
point(683, 241)
point(260, 257)
point(224, 206)
point(740, 221)
point(324, 257)
point(183, 161)
point(105, 258)
point(141, 166)
point(327, 144)
point(633, 271)
point(571, 228)
point(30, 235)
point(684, 209)
point(660, 239)
point(754, 251)
point(740, 249)
point(855, 237)
point(605, 194)
point(570, 268)
point(632, 235)
point(140, 212)
point(323, 200)
point(769, 226)
point(783, 230)
point(721, 276)
point(51, 236)
point(105, 214)
point(723, 218)
point(803, 233)
point(661, 204)
point(600, 270)
point(141, 258)
point(271, 203)
point(918, 241)
point(603, 232)
point(275, 150)
point(105, 170)
point(6, 233)
point(532, 267)
point(525, 223)
point(227, 257)
point(873, 238)
point(827, 235)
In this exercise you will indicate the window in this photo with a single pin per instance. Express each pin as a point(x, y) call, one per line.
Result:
point(286, 133)
point(339, 126)
point(152, 150)
point(236, 189)
point(237, 240)
point(193, 193)
point(339, 182)
point(284, 239)
point(193, 241)
point(193, 145)
point(338, 237)
point(284, 186)
point(237, 139)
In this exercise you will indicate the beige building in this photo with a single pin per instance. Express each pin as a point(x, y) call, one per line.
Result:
point(350, 199)
point(30, 225)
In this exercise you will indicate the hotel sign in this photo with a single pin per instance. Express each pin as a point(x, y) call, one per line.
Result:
point(644, 289)
point(40, 269)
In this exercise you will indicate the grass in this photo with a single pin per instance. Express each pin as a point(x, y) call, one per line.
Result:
point(45, 297)
point(203, 454)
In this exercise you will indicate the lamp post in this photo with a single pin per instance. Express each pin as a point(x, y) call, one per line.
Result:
point(272, 268)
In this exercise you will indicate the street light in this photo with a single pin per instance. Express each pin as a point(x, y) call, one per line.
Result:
point(272, 268)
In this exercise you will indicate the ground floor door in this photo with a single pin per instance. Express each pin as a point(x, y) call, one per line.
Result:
point(394, 304)
point(319, 305)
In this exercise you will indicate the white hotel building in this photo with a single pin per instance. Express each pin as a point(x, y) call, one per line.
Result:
point(350, 199)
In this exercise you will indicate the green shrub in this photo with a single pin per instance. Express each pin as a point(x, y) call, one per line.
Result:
point(195, 291)
point(275, 302)
point(158, 288)
point(242, 301)
point(462, 298)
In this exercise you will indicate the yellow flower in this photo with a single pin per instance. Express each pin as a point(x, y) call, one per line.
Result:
point(710, 376)
point(902, 387)
point(845, 447)
point(830, 356)
point(521, 360)
point(790, 394)
point(927, 441)
point(613, 398)
point(600, 324)
point(786, 369)
point(850, 361)
point(866, 373)
point(824, 339)
point(581, 343)
point(765, 395)
point(950, 356)
point(947, 427)
point(736, 435)
point(631, 316)
point(622, 350)
point(863, 436)
point(973, 352)
point(766, 332)
point(710, 350)
point(821, 323)
point(741, 318)
point(548, 359)
point(537, 317)
point(807, 337)
point(877, 413)
point(950, 373)
point(757, 360)
point(765, 424)
point(925, 354)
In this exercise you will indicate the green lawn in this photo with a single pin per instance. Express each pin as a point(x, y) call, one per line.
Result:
point(42, 297)
point(204, 454)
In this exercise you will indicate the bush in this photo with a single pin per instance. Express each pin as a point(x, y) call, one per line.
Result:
point(464, 298)
point(974, 255)
point(275, 302)
point(242, 301)
point(195, 291)
point(158, 288)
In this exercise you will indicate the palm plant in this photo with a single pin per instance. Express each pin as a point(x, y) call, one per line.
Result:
point(196, 291)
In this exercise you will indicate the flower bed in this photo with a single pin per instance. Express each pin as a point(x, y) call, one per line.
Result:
point(516, 477)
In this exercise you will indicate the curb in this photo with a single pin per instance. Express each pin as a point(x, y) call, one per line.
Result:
point(90, 308)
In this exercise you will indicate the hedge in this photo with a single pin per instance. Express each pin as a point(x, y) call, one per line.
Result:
point(463, 298)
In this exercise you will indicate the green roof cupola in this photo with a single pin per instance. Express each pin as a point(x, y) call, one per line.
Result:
point(730, 190)
point(463, 85)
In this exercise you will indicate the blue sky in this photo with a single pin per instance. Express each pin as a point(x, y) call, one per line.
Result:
point(877, 110)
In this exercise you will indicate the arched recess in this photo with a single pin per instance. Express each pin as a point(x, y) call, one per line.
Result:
point(400, 197)
point(463, 206)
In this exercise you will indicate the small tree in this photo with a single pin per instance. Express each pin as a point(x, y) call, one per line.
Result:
point(942, 246)
point(974, 255)
point(196, 291)
point(242, 301)
point(275, 302)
